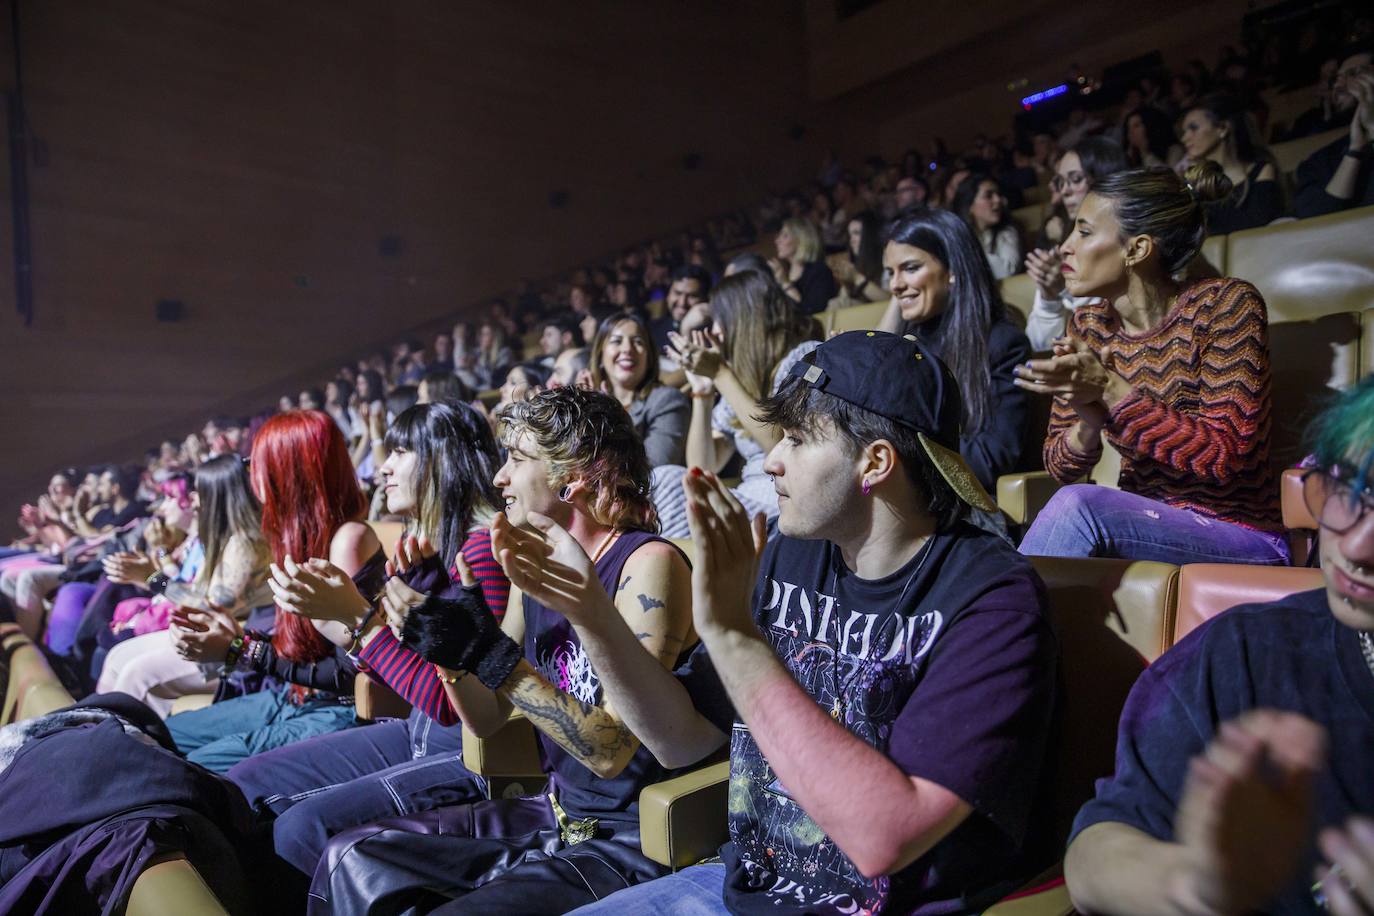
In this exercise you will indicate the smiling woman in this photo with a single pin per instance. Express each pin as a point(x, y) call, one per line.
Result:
point(943, 293)
point(625, 364)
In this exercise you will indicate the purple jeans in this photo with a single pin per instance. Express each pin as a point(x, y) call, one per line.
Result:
point(67, 608)
point(1083, 520)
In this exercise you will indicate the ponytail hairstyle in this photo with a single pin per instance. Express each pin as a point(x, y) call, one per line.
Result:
point(974, 304)
point(302, 472)
point(1169, 209)
point(227, 508)
point(456, 462)
point(1225, 109)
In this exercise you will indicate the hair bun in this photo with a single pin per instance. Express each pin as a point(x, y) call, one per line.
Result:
point(1207, 181)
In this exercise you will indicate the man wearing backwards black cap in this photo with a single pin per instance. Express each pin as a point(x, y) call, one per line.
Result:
point(888, 685)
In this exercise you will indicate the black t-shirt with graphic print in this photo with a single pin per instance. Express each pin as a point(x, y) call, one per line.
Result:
point(947, 666)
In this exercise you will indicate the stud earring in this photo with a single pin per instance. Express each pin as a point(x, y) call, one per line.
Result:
point(867, 487)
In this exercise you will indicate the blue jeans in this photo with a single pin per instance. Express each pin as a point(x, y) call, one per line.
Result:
point(222, 734)
point(694, 891)
point(323, 786)
point(1084, 520)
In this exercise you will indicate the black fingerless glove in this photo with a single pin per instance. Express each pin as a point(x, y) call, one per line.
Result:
point(458, 631)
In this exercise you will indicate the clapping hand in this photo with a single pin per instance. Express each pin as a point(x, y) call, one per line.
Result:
point(129, 568)
point(317, 589)
point(698, 355)
point(1246, 810)
point(551, 567)
point(203, 635)
point(1347, 884)
point(1075, 375)
point(728, 544)
point(1044, 268)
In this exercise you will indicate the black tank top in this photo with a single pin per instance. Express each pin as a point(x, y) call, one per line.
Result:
point(552, 646)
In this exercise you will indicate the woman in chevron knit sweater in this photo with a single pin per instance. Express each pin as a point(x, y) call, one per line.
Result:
point(1175, 377)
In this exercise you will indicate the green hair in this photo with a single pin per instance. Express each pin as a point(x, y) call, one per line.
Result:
point(1343, 436)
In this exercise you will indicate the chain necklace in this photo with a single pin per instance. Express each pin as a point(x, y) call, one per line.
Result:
point(1367, 647)
point(840, 707)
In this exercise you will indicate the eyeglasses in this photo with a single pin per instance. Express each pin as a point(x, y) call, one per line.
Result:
point(1335, 504)
point(1059, 182)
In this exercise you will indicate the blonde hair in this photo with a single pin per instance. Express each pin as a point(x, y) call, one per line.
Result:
point(808, 240)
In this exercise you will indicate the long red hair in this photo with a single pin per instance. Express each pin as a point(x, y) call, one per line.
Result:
point(301, 469)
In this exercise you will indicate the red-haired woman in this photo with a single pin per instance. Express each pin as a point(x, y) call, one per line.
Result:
point(311, 506)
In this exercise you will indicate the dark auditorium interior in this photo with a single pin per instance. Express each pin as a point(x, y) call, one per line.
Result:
point(772, 456)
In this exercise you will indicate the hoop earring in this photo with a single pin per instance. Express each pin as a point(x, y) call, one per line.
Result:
point(565, 494)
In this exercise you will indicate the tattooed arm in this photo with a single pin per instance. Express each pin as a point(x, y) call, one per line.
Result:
point(654, 600)
point(241, 571)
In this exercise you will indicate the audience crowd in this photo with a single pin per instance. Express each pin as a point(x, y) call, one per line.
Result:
point(856, 628)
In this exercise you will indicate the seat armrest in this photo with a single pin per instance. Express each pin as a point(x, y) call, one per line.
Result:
point(191, 702)
point(683, 820)
point(173, 887)
point(374, 700)
point(1022, 496)
point(508, 760)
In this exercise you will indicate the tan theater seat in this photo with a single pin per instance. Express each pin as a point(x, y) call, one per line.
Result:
point(1028, 219)
point(1207, 589)
point(31, 687)
point(1308, 268)
point(1296, 516)
point(1309, 360)
point(1018, 292)
point(1022, 496)
point(863, 317)
point(1290, 154)
point(1211, 260)
point(388, 533)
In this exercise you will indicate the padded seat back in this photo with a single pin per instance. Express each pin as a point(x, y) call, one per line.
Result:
point(1111, 617)
point(1028, 220)
point(1296, 516)
point(1211, 260)
point(1207, 589)
point(1018, 292)
point(1308, 361)
point(1290, 154)
point(863, 317)
point(1308, 268)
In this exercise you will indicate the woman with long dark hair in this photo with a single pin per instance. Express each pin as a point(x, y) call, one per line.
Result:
point(311, 506)
point(439, 477)
point(859, 269)
point(944, 294)
point(624, 364)
point(757, 336)
point(1218, 129)
point(232, 561)
point(1148, 138)
point(981, 203)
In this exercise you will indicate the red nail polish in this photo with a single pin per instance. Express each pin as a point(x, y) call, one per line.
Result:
point(696, 472)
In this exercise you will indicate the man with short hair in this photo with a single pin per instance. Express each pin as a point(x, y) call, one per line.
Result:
point(1245, 755)
point(691, 286)
point(569, 364)
point(1340, 175)
point(911, 193)
point(560, 332)
point(887, 681)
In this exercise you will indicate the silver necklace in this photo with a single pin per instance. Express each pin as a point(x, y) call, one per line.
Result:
point(839, 707)
point(1367, 647)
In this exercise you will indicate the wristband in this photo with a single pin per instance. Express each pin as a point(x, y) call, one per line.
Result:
point(1362, 155)
point(356, 634)
point(231, 656)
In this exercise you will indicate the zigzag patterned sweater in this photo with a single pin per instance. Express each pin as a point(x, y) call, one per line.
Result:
point(1194, 431)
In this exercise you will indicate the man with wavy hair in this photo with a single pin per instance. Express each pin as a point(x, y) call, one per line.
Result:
point(574, 463)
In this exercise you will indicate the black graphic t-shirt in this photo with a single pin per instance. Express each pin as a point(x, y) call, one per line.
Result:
point(948, 667)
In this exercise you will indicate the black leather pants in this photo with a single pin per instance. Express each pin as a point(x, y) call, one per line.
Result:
point(503, 856)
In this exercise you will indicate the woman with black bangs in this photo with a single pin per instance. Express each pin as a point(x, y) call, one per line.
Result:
point(943, 293)
point(439, 476)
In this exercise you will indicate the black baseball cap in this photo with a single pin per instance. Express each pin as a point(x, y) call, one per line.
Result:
point(900, 378)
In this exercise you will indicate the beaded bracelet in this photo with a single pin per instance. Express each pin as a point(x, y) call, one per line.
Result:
point(231, 655)
point(449, 679)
